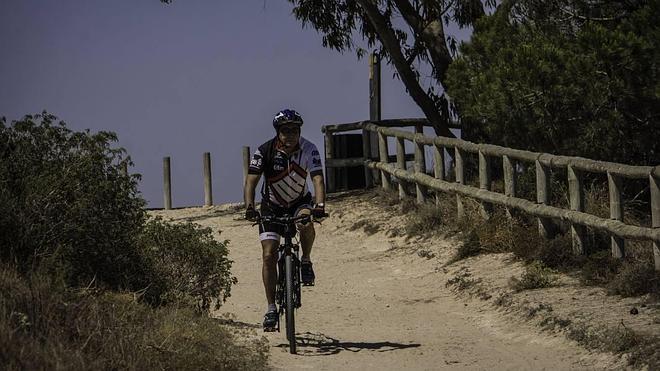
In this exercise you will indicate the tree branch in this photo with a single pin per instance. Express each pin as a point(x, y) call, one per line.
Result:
point(390, 42)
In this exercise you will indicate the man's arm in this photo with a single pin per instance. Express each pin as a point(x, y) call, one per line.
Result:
point(319, 188)
point(251, 182)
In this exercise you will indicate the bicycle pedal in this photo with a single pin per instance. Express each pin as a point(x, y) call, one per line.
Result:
point(270, 329)
point(308, 283)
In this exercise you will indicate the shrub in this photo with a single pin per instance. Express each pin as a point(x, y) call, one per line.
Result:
point(44, 325)
point(471, 246)
point(425, 219)
point(66, 203)
point(636, 277)
point(187, 265)
point(536, 276)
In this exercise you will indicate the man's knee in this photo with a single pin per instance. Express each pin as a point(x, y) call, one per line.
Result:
point(269, 248)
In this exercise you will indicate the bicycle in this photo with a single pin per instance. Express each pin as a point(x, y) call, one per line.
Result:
point(288, 292)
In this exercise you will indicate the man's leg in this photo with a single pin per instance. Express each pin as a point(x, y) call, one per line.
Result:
point(269, 276)
point(307, 236)
point(269, 268)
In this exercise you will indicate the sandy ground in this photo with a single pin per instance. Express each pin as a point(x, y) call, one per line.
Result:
point(381, 301)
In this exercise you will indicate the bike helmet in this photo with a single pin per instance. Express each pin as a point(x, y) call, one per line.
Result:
point(287, 116)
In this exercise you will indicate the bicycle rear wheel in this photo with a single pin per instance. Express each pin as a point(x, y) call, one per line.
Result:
point(290, 305)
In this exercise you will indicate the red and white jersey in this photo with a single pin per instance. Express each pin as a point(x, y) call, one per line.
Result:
point(285, 174)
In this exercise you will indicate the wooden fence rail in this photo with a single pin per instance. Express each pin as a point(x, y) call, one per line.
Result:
point(543, 162)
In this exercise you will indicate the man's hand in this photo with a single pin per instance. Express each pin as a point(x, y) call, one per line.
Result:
point(251, 214)
point(318, 212)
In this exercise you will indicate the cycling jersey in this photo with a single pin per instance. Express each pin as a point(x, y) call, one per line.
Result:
point(285, 174)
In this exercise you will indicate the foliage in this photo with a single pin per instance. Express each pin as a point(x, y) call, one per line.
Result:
point(536, 276)
point(188, 266)
point(66, 203)
point(536, 77)
point(45, 325)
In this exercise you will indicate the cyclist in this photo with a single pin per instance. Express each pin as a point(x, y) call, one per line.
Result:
point(285, 162)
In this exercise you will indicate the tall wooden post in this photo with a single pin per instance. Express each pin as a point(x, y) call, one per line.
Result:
point(384, 157)
point(576, 195)
point(543, 197)
point(167, 184)
point(329, 155)
point(509, 182)
point(460, 179)
point(616, 213)
point(438, 168)
point(374, 108)
point(246, 162)
point(401, 164)
point(208, 188)
point(366, 149)
point(485, 181)
point(655, 214)
point(420, 168)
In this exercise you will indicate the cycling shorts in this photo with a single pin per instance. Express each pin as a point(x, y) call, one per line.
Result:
point(271, 231)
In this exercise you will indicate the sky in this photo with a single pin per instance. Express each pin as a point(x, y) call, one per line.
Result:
point(182, 79)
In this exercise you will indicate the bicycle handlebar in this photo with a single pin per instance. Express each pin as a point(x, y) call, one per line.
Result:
point(284, 220)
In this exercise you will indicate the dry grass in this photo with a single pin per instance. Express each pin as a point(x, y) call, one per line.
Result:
point(45, 325)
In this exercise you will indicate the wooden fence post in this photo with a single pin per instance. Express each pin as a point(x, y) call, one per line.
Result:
point(330, 181)
point(384, 157)
point(366, 150)
point(420, 168)
point(576, 195)
point(208, 188)
point(438, 168)
point(485, 181)
point(509, 182)
point(401, 164)
point(616, 213)
point(460, 179)
point(546, 229)
point(374, 110)
point(655, 215)
point(167, 184)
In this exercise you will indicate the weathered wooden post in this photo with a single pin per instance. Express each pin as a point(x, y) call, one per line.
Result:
point(655, 212)
point(384, 157)
point(576, 196)
point(616, 213)
point(167, 184)
point(330, 182)
point(460, 179)
point(485, 181)
point(208, 188)
point(246, 162)
point(419, 129)
point(509, 182)
point(543, 197)
point(420, 168)
point(401, 164)
point(366, 150)
point(374, 108)
point(438, 168)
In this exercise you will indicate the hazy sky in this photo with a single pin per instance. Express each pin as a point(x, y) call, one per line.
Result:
point(179, 80)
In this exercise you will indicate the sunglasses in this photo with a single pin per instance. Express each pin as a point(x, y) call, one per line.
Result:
point(289, 130)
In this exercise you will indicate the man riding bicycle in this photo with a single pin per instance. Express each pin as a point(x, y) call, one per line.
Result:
point(285, 162)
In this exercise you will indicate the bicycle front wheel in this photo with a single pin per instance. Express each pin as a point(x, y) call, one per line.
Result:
point(290, 305)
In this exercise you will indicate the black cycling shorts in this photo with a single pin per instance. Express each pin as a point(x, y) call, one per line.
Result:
point(269, 231)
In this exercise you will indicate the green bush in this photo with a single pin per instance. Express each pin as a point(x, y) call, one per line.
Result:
point(45, 325)
point(188, 266)
point(66, 203)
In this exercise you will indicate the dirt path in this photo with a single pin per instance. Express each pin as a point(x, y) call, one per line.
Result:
point(376, 306)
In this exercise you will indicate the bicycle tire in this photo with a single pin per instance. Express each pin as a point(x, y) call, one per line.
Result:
point(290, 305)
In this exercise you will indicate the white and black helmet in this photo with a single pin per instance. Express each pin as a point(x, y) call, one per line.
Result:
point(287, 116)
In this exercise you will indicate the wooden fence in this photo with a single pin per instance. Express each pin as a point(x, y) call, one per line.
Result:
point(543, 162)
